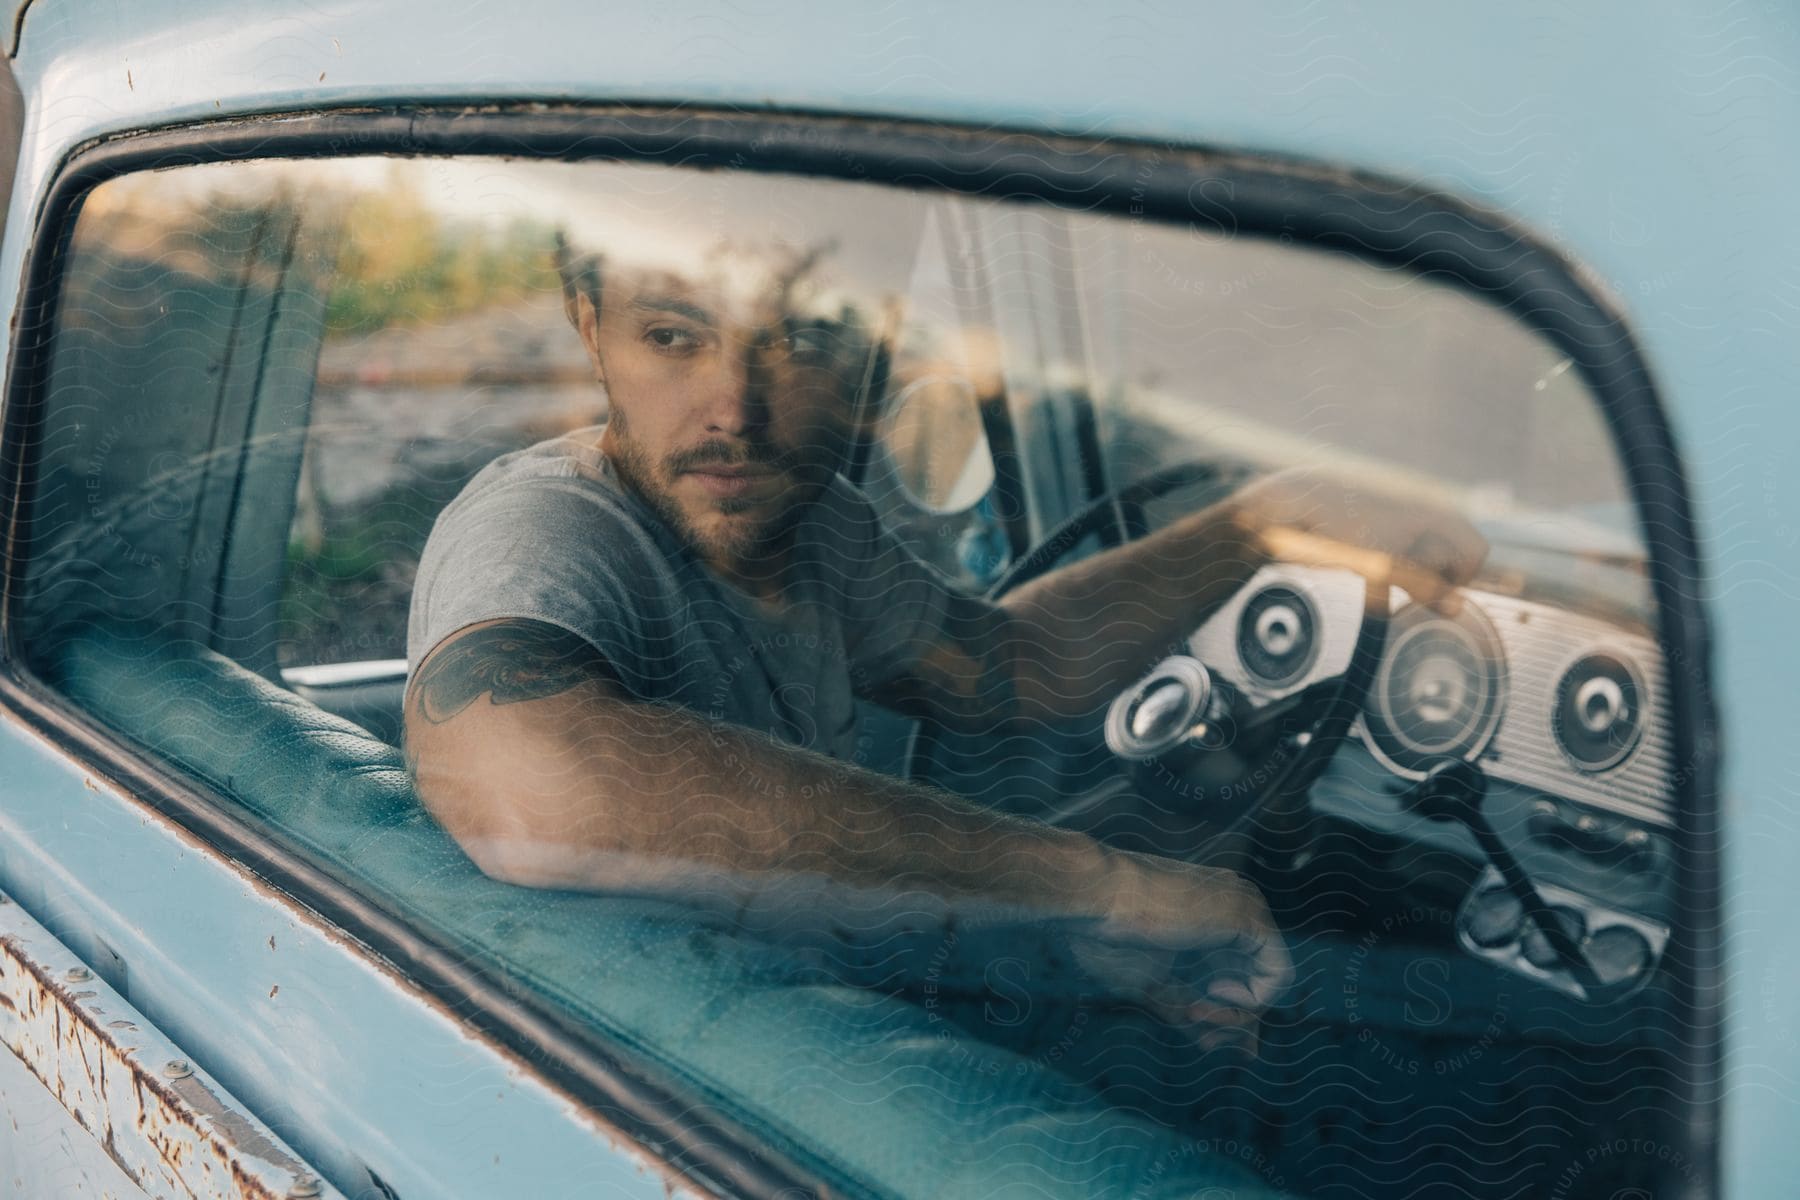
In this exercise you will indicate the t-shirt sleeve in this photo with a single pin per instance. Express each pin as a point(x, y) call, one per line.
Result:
point(551, 549)
point(897, 607)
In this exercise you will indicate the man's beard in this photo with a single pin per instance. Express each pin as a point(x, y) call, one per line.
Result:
point(738, 541)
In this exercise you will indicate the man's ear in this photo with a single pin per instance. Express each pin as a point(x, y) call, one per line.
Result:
point(586, 319)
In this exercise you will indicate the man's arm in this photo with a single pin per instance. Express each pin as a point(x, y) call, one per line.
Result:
point(1073, 638)
point(1082, 633)
point(526, 749)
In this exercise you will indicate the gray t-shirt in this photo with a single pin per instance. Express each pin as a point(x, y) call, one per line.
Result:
point(549, 533)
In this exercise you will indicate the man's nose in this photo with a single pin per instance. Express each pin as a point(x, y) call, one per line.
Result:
point(737, 390)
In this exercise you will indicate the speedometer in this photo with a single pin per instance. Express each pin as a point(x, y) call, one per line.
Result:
point(1439, 691)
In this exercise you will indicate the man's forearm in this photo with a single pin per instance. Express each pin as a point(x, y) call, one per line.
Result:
point(524, 747)
point(1082, 633)
point(609, 794)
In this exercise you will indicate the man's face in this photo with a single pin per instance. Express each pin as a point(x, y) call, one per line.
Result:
point(729, 411)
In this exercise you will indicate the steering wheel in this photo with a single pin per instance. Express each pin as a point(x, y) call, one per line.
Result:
point(1215, 779)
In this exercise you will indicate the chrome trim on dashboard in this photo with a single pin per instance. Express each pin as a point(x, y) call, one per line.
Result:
point(1331, 594)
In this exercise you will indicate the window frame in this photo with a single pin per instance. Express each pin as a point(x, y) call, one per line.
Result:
point(1377, 219)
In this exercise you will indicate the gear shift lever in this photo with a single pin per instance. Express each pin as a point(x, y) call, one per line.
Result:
point(1453, 790)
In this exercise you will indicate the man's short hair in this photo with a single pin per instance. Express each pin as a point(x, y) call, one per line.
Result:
point(580, 275)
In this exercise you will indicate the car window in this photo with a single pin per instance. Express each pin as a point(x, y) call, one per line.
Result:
point(984, 694)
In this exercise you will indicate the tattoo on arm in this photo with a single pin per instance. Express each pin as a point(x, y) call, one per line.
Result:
point(508, 661)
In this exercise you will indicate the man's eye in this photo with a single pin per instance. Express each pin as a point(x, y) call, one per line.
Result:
point(812, 344)
point(671, 338)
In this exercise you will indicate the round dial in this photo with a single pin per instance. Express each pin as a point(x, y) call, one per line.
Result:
point(1598, 717)
point(1278, 635)
point(1440, 688)
point(1618, 954)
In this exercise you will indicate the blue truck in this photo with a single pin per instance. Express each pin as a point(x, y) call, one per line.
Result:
point(281, 280)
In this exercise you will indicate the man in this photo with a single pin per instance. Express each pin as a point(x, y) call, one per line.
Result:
point(637, 649)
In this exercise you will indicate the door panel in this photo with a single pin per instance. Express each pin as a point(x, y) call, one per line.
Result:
point(366, 1077)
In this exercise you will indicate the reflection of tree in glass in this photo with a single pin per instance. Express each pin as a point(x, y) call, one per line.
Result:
point(394, 260)
point(400, 262)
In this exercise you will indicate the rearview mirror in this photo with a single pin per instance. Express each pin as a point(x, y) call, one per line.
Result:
point(939, 446)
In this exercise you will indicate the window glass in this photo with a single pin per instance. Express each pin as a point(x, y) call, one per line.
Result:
point(989, 696)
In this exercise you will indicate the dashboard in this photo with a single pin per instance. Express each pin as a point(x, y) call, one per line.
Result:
point(1540, 696)
point(1560, 709)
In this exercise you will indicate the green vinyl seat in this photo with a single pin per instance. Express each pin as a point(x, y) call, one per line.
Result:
point(889, 1098)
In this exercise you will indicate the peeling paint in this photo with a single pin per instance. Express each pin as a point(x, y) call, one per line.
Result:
point(671, 1178)
point(167, 1125)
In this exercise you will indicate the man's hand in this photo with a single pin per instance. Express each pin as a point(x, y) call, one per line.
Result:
point(1079, 634)
point(1195, 945)
point(1408, 540)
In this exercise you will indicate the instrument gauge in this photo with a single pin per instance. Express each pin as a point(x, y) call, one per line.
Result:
point(1440, 688)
